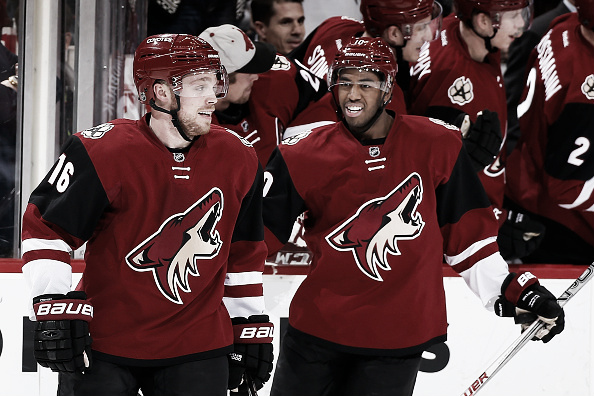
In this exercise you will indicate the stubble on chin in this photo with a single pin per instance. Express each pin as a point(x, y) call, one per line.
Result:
point(193, 128)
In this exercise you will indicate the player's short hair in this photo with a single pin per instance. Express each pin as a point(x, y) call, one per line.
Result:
point(263, 10)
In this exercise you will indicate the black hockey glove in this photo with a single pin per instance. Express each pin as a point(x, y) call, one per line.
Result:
point(482, 139)
point(524, 299)
point(62, 340)
point(252, 355)
point(519, 235)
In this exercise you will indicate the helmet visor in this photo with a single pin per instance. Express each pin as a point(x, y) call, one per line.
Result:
point(364, 85)
point(427, 29)
point(202, 84)
point(520, 19)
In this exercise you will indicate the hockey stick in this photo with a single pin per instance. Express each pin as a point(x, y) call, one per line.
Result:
point(251, 387)
point(527, 335)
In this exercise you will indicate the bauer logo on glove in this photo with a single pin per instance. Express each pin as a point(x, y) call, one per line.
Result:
point(65, 309)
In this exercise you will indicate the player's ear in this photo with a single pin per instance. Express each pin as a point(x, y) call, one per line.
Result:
point(162, 92)
point(393, 36)
point(260, 29)
point(482, 23)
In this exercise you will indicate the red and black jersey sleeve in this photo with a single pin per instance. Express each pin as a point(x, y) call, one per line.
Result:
point(70, 200)
point(282, 203)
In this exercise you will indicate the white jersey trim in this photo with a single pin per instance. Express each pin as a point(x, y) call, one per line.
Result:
point(243, 278)
point(472, 249)
point(244, 306)
point(32, 244)
point(585, 194)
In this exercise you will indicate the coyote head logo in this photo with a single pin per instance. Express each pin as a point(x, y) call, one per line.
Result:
point(379, 224)
point(171, 253)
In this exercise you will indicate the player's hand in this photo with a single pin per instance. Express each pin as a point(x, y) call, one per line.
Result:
point(482, 139)
point(253, 354)
point(526, 300)
point(519, 235)
point(62, 339)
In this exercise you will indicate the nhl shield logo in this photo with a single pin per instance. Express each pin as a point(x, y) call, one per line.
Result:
point(245, 126)
point(460, 92)
point(374, 151)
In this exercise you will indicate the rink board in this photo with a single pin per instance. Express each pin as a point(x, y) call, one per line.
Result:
point(475, 338)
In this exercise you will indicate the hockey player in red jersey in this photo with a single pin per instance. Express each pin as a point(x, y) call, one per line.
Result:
point(551, 171)
point(459, 76)
point(404, 25)
point(170, 208)
point(381, 195)
point(266, 90)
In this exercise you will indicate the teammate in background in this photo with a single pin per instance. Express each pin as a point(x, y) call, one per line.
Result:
point(171, 208)
point(259, 106)
point(405, 25)
point(517, 62)
point(458, 80)
point(261, 112)
point(551, 171)
point(279, 22)
point(381, 196)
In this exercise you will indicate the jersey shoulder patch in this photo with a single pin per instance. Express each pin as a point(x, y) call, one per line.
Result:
point(281, 63)
point(98, 131)
point(293, 140)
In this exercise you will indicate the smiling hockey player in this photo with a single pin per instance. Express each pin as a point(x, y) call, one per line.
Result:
point(386, 198)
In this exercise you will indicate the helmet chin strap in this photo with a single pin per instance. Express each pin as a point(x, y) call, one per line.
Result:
point(367, 125)
point(487, 40)
point(174, 119)
point(402, 79)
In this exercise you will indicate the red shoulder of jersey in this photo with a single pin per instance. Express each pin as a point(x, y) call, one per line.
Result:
point(329, 37)
point(276, 91)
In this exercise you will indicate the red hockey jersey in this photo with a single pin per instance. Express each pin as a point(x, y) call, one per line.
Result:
point(379, 217)
point(175, 240)
point(551, 171)
point(446, 80)
point(276, 97)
